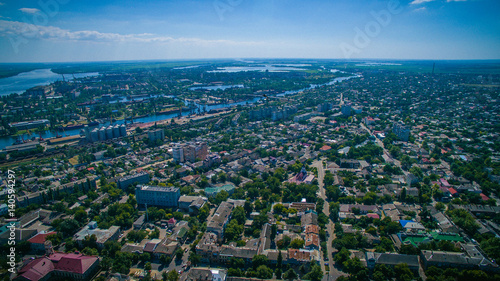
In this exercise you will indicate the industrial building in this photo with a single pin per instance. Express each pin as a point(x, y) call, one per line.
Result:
point(30, 124)
point(105, 133)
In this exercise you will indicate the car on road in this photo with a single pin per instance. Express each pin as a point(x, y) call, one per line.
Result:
point(326, 263)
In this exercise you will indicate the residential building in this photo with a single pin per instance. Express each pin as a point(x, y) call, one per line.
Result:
point(178, 154)
point(194, 151)
point(412, 226)
point(102, 235)
point(401, 131)
point(392, 260)
point(157, 196)
point(192, 204)
point(312, 241)
point(304, 116)
point(457, 260)
point(190, 152)
point(346, 109)
point(301, 256)
point(158, 134)
point(219, 220)
point(139, 178)
point(206, 274)
point(37, 242)
point(324, 107)
point(208, 247)
point(283, 113)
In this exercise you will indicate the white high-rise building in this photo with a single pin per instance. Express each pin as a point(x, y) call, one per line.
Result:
point(178, 154)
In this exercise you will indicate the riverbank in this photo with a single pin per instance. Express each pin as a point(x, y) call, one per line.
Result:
point(194, 109)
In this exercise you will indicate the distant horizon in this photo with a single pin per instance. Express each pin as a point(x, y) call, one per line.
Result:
point(243, 60)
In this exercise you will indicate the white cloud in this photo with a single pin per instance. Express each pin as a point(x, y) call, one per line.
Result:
point(29, 10)
point(416, 2)
point(455, 1)
point(31, 31)
point(422, 9)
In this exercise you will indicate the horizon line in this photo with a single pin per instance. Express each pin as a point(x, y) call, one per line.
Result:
point(249, 58)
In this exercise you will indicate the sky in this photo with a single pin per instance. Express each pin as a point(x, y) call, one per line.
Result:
point(90, 30)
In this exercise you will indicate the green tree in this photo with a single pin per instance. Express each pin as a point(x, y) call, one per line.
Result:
point(264, 272)
point(106, 263)
point(297, 243)
point(259, 260)
point(172, 275)
point(316, 274)
point(283, 243)
point(440, 206)
point(353, 266)
point(54, 238)
point(178, 254)
point(492, 247)
point(194, 258)
point(403, 272)
point(233, 230)
point(342, 256)
point(204, 213)
point(220, 197)
point(290, 274)
point(279, 263)
point(239, 215)
point(68, 227)
point(382, 272)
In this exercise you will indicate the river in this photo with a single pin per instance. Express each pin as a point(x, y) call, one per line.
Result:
point(23, 81)
point(9, 140)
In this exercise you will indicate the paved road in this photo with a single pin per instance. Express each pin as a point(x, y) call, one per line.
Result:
point(334, 273)
point(386, 152)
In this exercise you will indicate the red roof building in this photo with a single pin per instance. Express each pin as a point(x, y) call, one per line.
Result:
point(312, 228)
point(38, 269)
point(484, 197)
point(452, 191)
point(74, 266)
point(312, 241)
point(298, 256)
point(37, 241)
point(325, 148)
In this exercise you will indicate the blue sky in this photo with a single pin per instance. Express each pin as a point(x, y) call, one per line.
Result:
point(74, 30)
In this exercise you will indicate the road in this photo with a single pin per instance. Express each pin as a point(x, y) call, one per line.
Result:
point(386, 152)
point(334, 273)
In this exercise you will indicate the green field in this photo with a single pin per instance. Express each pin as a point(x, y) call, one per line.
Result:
point(485, 67)
point(419, 66)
